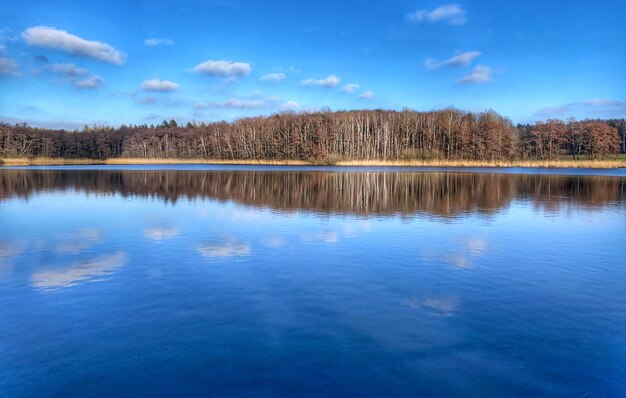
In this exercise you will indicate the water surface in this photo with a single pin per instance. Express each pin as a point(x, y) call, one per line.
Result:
point(246, 281)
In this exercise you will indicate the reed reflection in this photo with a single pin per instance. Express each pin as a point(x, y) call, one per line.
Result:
point(441, 194)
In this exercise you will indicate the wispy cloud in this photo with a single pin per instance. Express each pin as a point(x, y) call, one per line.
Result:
point(53, 124)
point(366, 95)
point(7, 66)
point(44, 36)
point(3, 48)
point(89, 83)
point(67, 70)
point(159, 85)
point(451, 14)
point(350, 88)
point(273, 77)
point(241, 103)
point(42, 59)
point(158, 42)
point(480, 74)
point(147, 101)
point(7, 35)
point(328, 82)
point(456, 61)
point(222, 68)
point(76, 76)
point(290, 106)
point(594, 107)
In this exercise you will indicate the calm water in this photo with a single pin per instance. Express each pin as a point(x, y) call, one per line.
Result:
point(247, 281)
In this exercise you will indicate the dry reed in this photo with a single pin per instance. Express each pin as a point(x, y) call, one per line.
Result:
point(594, 164)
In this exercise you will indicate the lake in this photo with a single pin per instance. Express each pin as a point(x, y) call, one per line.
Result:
point(303, 281)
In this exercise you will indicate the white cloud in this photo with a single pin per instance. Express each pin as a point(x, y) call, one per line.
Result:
point(290, 105)
point(328, 82)
point(159, 85)
point(350, 88)
point(452, 14)
point(241, 104)
point(366, 95)
point(158, 42)
point(223, 68)
point(44, 36)
point(89, 83)
point(273, 77)
point(456, 61)
point(7, 67)
point(480, 74)
point(67, 69)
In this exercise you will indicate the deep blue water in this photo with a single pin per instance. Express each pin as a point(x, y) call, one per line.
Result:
point(261, 281)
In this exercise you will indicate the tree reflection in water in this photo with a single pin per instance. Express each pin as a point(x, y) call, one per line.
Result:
point(442, 194)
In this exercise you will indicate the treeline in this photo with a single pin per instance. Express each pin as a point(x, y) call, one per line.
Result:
point(327, 136)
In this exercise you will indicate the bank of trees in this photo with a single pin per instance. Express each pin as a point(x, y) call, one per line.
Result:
point(589, 139)
point(321, 136)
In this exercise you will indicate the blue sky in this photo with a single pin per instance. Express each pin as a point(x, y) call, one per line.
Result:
point(67, 63)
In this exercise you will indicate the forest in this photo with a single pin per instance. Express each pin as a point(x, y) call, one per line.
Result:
point(327, 137)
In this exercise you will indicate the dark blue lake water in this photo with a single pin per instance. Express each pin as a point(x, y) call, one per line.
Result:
point(242, 281)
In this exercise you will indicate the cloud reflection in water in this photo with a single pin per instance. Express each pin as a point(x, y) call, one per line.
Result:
point(79, 272)
point(161, 233)
point(83, 239)
point(8, 250)
point(224, 249)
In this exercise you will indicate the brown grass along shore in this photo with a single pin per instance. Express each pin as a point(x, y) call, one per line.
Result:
point(562, 163)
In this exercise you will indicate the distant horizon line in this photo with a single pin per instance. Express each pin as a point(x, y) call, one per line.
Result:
point(183, 121)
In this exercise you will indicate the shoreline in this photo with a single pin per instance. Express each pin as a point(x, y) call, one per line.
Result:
point(582, 164)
